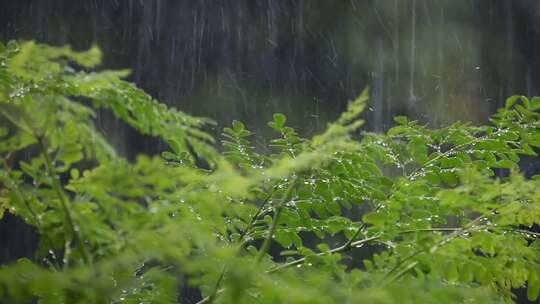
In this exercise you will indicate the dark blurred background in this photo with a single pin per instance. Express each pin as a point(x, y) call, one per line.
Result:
point(436, 61)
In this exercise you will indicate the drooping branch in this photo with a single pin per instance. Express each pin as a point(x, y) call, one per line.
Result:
point(55, 182)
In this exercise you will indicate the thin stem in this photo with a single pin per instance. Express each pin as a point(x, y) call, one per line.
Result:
point(355, 235)
point(403, 271)
point(527, 233)
point(352, 244)
point(389, 278)
point(62, 197)
point(339, 249)
point(257, 214)
point(449, 152)
point(210, 299)
point(216, 288)
point(55, 182)
point(435, 159)
point(458, 232)
point(266, 244)
point(429, 230)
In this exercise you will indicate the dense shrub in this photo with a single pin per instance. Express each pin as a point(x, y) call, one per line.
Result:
point(416, 215)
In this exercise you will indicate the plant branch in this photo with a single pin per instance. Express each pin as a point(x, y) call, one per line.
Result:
point(209, 299)
point(300, 261)
point(62, 197)
point(348, 244)
point(266, 244)
point(526, 233)
point(457, 232)
point(352, 244)
point(55, 182)
point(216, 288)
point(339, 249)
point(449, 152)
point(217, 291)
point(257, 214)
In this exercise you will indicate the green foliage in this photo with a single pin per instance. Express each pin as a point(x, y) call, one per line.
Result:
point(416, 215)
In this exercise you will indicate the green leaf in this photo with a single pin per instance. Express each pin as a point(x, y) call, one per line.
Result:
point(284, 238)
point(279, 120)
point(511, 101)
point(375, 218)
point(337, 224)
point(402, 120)
point(505, 163)
point(449, 178)
point(238, 126)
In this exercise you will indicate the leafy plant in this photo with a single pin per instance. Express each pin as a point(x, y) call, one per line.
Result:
point(415, 215)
